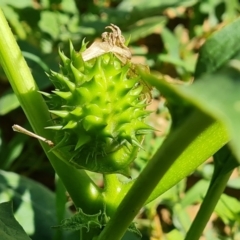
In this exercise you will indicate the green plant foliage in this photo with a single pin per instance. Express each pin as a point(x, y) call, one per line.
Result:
point(9, 227)
point(215, 99)
point(9, 153)
point(192, 49)
point(21, 4)
point(221, 47)
point(8, 102)
point(228, 209)
point(82, 220)
point(146, 27)
point(32, 205)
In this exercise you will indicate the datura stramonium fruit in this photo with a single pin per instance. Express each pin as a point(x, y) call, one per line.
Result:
point(99, 106)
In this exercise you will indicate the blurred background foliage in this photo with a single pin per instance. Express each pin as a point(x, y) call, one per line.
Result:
point(166, 36)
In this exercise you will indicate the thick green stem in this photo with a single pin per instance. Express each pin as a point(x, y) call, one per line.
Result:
point(210, 200)
point(204, 146)
point(153, 173)
point(81, 188)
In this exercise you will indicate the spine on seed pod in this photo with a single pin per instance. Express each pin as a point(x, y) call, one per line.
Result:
point(99, 106)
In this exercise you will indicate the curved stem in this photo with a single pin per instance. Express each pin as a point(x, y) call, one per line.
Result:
point(204, 146)
point(153, 173)
point(81, 188)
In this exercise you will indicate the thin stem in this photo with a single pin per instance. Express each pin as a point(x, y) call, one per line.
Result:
point(210, 200)
point(112, 188)
point(81, 188)
point(171, 149)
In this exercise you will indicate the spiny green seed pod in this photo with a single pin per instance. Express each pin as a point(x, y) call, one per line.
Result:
point(99, 107)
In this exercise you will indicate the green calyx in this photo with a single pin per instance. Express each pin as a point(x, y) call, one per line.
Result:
point(99, 107)
point(90, 221)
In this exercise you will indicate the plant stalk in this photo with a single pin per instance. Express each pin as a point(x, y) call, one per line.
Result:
point(207, 207)
point(171, 149)
point(81, 188)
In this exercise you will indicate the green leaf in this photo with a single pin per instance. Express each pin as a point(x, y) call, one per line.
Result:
point(13, 19)
point(129, 12)
point(9, 151)
point(132, 228)
point(196, 193)
point(234, 183)
point(204, 146)
point(219, 91)
point(17, 4)
point(219, 48)
point(49, 23)
point(39, 63)
point(174, 234)
point(8, 102)
point(69, 6)
point(36, 59)
point(89, 221)
point(218, 94)
point(171, 43)
point(33, 204)
point(145, 27)
point(9, 228)
point(81, 220)
point(130, 236)
point(143, 5)
point(228, 209)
